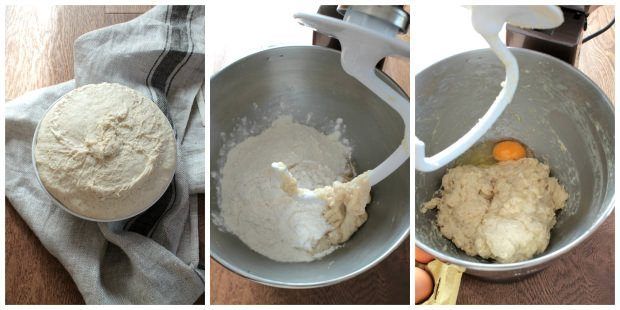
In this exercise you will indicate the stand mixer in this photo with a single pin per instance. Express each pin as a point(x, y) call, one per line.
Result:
point(488, 21)
point(563, 42)
point(367, 35)
point(315, 89)
point(556, 110)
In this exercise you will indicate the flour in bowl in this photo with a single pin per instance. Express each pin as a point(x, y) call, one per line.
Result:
point(258, 207)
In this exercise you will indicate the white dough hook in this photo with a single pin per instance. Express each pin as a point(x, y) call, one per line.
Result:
point(488, 21)
point(365, 40)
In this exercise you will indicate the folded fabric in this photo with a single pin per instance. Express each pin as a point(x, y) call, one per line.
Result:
point(152, 258)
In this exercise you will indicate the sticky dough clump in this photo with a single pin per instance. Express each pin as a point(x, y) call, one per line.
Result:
point(502, 212)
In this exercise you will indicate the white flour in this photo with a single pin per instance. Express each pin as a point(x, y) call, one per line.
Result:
point(256, 209)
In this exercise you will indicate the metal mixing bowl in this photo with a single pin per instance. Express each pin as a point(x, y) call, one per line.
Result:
point(557, 111)
point(303, 80)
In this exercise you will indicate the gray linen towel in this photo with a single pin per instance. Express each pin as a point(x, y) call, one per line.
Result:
point(152, 258)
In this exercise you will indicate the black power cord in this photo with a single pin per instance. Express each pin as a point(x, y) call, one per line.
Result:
point(599, 32)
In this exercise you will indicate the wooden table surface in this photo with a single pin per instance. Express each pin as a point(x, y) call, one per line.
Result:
point(39, 53)
point(586, 274)
point(386, 283)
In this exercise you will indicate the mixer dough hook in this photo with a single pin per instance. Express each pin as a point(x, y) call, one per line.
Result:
point(365, 40)
point(488, 20)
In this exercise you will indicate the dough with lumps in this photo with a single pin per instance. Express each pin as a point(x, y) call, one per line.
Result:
point(346, 206)
point(105, 151)
point(503, 212)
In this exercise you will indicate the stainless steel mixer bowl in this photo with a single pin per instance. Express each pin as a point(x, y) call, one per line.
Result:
point(311, 80)
point(557, 111)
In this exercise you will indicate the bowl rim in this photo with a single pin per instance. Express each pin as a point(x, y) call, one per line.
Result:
point(72, 212)
point(547, 257)
point(295, 285)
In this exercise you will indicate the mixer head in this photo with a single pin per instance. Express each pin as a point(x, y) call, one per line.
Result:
point(563, 42)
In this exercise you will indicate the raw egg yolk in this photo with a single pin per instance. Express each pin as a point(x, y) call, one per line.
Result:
point(423, 285)
point(422, 257)
point(508, 150)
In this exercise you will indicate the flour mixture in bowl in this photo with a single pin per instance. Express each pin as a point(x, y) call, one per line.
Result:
point(503, 211)
point(105, 152)
point(262, 178)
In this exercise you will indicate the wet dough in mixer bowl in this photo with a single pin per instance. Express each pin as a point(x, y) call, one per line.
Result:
point(503, 212)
